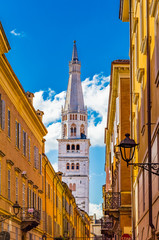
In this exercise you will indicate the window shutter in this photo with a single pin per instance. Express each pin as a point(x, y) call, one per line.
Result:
point(28, 197)
point(16, 132)
point(37, 158)
point(3, 114)
point(19, 133)
point(34, 156)
point(26, 145)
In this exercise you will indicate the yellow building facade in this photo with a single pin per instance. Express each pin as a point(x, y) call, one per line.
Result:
point(117, 190)
point(27, 177)
point(144, 54)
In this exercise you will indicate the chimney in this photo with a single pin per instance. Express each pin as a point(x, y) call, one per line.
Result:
point(59, 174)
point(40, 114)
point(30, 96)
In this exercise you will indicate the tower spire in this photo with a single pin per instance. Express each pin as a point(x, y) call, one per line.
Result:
point(74, 52)
point(74, 96)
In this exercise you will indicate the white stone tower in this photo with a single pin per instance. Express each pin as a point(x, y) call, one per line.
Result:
point(73, 147)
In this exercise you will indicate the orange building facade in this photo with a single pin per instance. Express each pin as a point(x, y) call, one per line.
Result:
point(26, 175)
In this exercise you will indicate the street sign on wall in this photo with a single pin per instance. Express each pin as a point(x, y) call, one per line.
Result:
point(126, 237)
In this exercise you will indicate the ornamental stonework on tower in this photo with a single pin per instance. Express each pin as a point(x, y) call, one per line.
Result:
point(73, 147)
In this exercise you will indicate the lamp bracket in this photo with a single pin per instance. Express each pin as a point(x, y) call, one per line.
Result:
point(154, 167)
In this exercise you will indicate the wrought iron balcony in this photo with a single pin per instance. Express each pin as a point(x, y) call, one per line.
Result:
point(30, 219)
point(107, 226)
point(112, 201)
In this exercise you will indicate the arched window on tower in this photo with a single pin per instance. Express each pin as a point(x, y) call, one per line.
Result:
point(65, 130)
point(67, 166)
point(74, 187)
point(75, 116)
point(72, 166)
point(70, 116)
point(77, 166)
point(84, 118)
point(73, 130)
point(68, 147)
point(70, 186)
point(73, 147)
point(82, 129)
point(77, 147)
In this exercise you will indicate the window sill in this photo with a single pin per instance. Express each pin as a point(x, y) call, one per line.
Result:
point(9, 139)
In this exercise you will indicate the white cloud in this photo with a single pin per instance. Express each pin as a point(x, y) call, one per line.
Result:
point(55, 166)
point(17, 34)
point(95, 209)
point(96, 94)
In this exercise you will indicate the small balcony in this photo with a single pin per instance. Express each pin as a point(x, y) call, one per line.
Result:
point(112, 202)
point(107, 226)
point(30, 219)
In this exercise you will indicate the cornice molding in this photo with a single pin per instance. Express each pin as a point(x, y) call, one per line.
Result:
point(10, 162)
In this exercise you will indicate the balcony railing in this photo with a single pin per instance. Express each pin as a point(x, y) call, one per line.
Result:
point(107, 226)
point(112, 200)
point(30, 219)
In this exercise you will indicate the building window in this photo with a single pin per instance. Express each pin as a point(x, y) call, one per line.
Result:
point(84, 118)
point(9, 184)
point(142, 110)
point(23, 195)
point(82, 129)
point(40, 161)
point(75, 116)
point(70, 116)
point(73, 130)
point(68, 166)
point(18, 134)
point(16, 189)
point(74, 187)
point(78, 147)
point(70, 186)
point(36, 157)
point(24, 142)
point(137, 124)
point(72, 166)
point(29, 150)
point(77, 166)
point(9, 123)
point(136, 48)
point(68, 147)
point(73, 147)
point(2, 114)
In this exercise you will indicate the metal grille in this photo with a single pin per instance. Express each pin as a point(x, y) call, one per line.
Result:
point(112, 200)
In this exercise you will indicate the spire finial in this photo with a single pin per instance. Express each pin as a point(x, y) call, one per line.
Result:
point(74, 53)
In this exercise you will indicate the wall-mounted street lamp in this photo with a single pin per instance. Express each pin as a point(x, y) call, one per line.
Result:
point(16, 209)
point(127, 150)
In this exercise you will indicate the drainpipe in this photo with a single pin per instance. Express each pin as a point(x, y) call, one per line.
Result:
point(131, 129)
point(149, 121)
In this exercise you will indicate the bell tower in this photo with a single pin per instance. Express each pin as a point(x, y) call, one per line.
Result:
point(73, 147)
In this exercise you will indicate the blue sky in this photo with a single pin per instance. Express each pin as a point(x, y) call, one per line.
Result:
point(41, 35)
